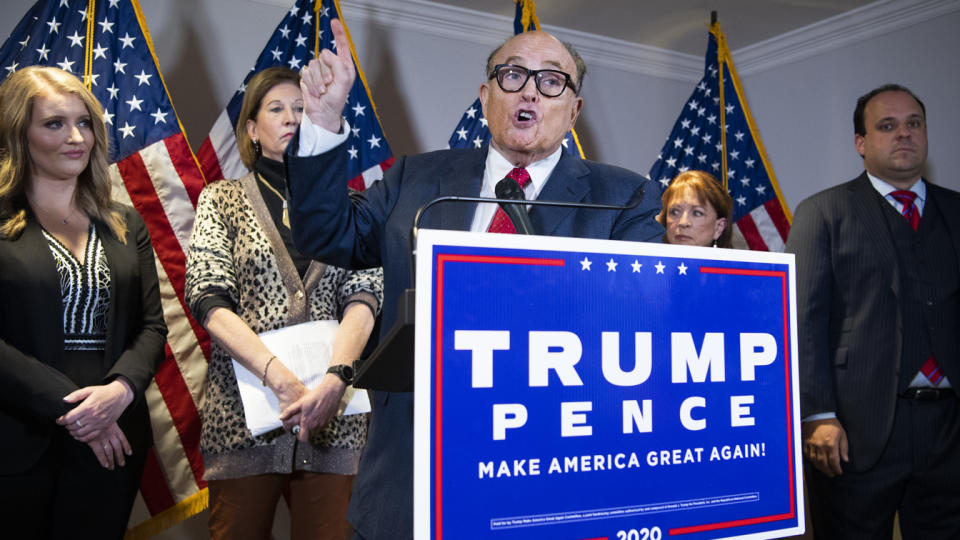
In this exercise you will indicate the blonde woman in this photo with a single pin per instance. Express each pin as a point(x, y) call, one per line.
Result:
point(81, 326)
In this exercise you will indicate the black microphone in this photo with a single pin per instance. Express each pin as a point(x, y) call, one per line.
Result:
point(508, 188)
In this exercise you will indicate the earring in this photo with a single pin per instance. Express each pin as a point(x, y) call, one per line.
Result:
point(257, 147)
point(714, 242)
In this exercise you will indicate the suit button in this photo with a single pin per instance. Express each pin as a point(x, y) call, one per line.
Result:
point(929, 302)
point(299, 294)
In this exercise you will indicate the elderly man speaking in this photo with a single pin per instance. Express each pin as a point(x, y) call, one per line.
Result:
point(531, 99)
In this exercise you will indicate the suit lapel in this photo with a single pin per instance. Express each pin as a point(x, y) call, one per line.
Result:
point(460, 177)
point(870, 213)
point(567, 182)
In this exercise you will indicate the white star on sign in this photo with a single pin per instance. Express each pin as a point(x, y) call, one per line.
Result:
point(477, 142)
point(113, 91)
point(462, 134)
point(118, 66)
point(107, 118)
point(471, 112)
point(611, 265)
point(54, 25)
point(301, 40)
point(12, 67)
point(741, 200)
point(739, 136)
point(277, 55)
point(729, 108)
point(99, 52)
point(358, 110)
point(659, 266)
point(106, 26)
point(374, 141)
point(636, 265)
point(43, 51)
point(483, 121)
point(285, 31)
point(750, 163)
point(745, 181)
point(585, 264)
point(294, 63)
point(353, 152)
point(76, 40)
point(355, 131)
point(682, 269)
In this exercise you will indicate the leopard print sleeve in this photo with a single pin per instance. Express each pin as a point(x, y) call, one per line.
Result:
point(210, 268)
point(365, 286)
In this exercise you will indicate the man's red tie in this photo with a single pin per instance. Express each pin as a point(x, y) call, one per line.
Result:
point(930, 368)
point(501, 222)
point(909, 211)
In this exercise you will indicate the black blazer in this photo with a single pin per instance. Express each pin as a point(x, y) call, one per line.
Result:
point(373, 229)
point(32, 379)
point(848, 310)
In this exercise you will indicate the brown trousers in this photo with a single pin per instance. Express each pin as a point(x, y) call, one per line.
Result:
point(243, 508)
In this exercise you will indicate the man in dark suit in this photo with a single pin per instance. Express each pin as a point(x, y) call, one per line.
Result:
point(531, 100)
point(878, 289)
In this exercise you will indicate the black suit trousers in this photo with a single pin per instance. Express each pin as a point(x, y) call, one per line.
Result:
point(918, 477)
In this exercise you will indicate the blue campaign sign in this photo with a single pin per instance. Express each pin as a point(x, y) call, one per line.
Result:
point(592, 389)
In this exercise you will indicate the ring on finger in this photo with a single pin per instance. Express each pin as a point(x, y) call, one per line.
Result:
point(295, 430)
point(79, 424)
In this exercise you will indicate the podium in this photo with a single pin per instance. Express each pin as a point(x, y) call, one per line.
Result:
point(577, 388)
point(389, 367)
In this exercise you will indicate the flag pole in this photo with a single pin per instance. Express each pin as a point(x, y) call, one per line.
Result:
point(715, 27)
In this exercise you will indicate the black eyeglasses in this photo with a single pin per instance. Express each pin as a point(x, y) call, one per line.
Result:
point(550, 82)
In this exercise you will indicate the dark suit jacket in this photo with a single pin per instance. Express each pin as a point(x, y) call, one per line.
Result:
point(373, 229)
point(848, 310)
point(32, 379)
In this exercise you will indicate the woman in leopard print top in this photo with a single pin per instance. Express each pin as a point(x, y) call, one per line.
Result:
point(244, 277)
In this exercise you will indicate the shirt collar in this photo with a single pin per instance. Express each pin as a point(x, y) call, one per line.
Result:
point(883, 188)
point(497, 168)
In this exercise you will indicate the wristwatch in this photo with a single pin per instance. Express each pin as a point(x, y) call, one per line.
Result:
point(344, 371)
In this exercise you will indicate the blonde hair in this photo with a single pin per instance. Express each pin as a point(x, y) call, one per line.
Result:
point(259, 85)
point(92, 194)
point(708, 190)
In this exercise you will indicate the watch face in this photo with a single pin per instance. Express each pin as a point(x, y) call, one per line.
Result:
point(348, 372)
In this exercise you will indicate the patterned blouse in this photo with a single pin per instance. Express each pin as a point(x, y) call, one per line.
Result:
point(236, 252)
point(85, 290)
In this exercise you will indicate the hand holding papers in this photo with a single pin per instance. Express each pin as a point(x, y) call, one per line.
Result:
point(305, 349)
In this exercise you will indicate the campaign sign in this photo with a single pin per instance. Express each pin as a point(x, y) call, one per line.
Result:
point(594, 389)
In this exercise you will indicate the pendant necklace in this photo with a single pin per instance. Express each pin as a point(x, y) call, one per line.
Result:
point(286, 216)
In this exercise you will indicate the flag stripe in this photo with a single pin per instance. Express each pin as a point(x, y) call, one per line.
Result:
point(153, 487)
point(750, 233)
point(182, 442)
point(208, 161)
point(186, 165)
point(768, 231)
point(780, 220)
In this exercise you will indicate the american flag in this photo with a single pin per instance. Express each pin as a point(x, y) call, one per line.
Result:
point(107, 44)
point(304, 31)
point(472, 131)
point(734, 153)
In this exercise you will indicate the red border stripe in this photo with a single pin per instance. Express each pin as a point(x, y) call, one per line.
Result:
point(186, 167)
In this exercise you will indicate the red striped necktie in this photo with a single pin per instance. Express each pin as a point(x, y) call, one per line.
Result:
point(501, 222)
point(907, 198)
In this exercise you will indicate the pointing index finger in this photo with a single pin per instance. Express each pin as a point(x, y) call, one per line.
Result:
point(340, 38)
